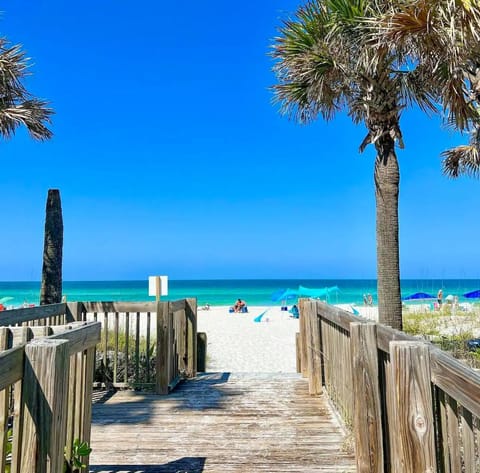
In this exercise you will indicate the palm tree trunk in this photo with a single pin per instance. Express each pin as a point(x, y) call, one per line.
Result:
point(51, 291)
point(387, 180)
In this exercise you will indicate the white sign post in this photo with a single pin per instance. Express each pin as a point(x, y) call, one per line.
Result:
point(158, 286)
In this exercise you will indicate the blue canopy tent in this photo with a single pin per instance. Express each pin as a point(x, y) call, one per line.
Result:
point(418, 296)
point(472, 295)
point(317, 293)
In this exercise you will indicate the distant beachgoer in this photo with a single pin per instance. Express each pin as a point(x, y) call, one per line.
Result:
point(369, 300)
point(239, 305)
point(440, 298)
point(206, 306)
point(365, 300)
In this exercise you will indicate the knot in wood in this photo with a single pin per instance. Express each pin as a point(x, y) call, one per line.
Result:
point(420, 423)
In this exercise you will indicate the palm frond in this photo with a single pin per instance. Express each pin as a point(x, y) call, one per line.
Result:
point(461, 160)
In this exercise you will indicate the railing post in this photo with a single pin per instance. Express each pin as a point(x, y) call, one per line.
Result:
point(191, 313)
point(73, 312)
point(45, 394)
point(4, 404)
point(413, 447)
point(164, 348)
point(314, 349)
point(201, 352)
point(303, 340)
point(298, 355)
point(367, 416)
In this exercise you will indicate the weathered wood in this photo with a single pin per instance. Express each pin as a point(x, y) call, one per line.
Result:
point(385, 335)
point(18, 316)
point(192, 351)
point(127, 346)
point(298, 355)
point(81, 337)
point(11, 368)
point(366, 397)
point(415, 447)
point(453, 436)
point(468, 441)
point(4, 401)
point(89, 367)
point(18, 405)
point(220, 423)
point(303, 335)
point(163, 347)
point(115, 347)
point(44, 421)
point(74, 312)
point(201, 352)
point(456, 379)
point(313, 348)
point(119, 306)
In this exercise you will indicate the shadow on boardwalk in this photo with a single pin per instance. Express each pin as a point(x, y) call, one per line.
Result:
point(183, 465)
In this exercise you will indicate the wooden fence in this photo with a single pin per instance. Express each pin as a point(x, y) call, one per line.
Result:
point(143, 344)
point(45, 394)
point(412, 407)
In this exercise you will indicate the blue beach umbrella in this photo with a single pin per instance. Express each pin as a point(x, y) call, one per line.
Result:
point(473, 294)
point(258, 318)
point(418, 296)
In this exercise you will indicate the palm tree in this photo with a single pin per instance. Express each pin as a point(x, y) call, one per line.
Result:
point(51, 289)
point(444, 36)
point(17, 106)
point(326, 63)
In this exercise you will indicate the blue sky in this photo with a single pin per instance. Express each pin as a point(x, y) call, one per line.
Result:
point(171, 159)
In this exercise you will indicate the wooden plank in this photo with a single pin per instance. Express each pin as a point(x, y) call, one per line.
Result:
point(45, 397)
point(147, 354)
point(385, 335)
point(127, 345)
point(443, 447)
point(18, 407)
point(89, 365)
point(367, 412)
point(303, 341)
point(202, 352)
point(115, 347)
point(227, 422)
point(415, 446)
point(163, 347)
point(137, 348)
point(74, 312)
point(80, 338)
point(468, 441)
point(192, 351)
point(456, 379)
point(119, 307)
point(11, 366)
point(18, 316)
point(337, 316)
point(4, 401)
point(298, 358)
point(314, 350)
point(453, 436)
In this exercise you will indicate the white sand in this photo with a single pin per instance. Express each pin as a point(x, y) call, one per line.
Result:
point(236, 343)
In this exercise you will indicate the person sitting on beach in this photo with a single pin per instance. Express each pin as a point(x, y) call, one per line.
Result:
point(239, 305)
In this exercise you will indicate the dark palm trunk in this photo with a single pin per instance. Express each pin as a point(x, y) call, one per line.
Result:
point(51, 291)
point(387, 180)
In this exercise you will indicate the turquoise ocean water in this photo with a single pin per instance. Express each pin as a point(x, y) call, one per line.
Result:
point(225, 292)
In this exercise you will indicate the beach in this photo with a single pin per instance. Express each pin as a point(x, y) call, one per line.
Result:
point(235, 343)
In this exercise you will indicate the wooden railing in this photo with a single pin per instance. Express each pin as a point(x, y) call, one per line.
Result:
point(412, 408)
point(143, 344)
point(45, 394)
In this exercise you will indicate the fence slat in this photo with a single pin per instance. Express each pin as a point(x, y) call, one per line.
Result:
point(191, 313)
point(468, 441)
point(163, 360)
point(313, 348)
point(367, 413)
point(4, 403)
point(414, 439)
point(45, 396)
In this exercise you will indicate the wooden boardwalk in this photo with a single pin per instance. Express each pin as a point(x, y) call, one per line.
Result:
point(220, 423)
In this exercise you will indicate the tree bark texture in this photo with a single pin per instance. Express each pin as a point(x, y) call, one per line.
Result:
point(387, 180)
point(51, 290)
